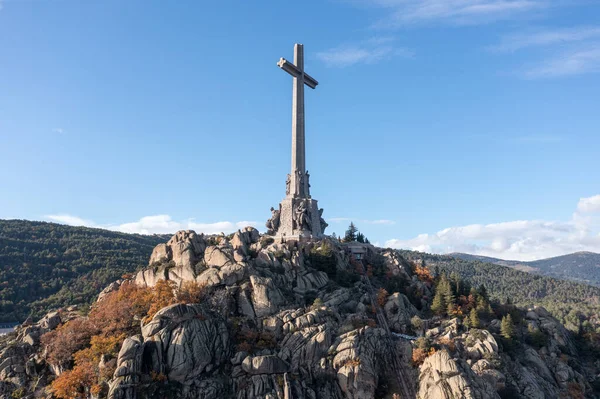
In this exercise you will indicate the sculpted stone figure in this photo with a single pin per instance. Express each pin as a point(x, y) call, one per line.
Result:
point(302, 217)
point(288, 181)
point(300, 183)
point(307, 188)
point(322, 221)
point(273, 223)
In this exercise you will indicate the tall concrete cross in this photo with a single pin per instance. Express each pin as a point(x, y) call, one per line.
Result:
point(297, 185)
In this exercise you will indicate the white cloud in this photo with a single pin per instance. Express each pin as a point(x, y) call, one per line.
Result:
point(70, 220)
point(380, 221)
point(574, 62)
point(156, 224)
point(369, 51)
point(589, 204)
point(539, 38)
point(519, 240)
point(408, 12)
point(58, 130)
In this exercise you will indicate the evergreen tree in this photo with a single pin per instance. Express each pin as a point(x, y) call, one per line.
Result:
point(351, 233)
point(367, 241)
point(507, 329)
point(473, 319)
point(360, 237)
point(443, 301)
point(438, 306)
point(483, 292)
point(456, 283)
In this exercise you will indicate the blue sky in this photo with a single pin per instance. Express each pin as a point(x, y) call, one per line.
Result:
point(439, 125)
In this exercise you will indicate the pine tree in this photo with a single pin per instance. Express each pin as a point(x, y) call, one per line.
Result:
point(443, 301)
point(483, 292)
point(351, 233)
point(360, 237)
point(367, 241)
point(474, 319)
point(507, 329)
point(438, 306)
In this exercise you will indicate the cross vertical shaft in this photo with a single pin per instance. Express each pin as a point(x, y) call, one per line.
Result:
point(298, 152)
point(297, 184)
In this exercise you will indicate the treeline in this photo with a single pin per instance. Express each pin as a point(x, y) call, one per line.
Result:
point(575, 305)
point(46, 265)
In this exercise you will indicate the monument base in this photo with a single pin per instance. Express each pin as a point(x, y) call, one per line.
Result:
point(299, 219)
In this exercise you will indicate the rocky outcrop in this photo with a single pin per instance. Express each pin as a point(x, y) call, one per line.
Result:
point(301, 321)
point(22, 365)
point(266, 297)
point(442, 377)
point(359, 358)
point(398, 311)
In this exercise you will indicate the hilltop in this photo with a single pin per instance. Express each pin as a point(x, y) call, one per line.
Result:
point(45, 266)
point(579, 266)
point(244, 316)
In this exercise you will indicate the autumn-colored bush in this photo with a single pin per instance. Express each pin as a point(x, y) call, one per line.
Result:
point(352, 362)
point(191, 292)
point(72, 384)
point(162, 294)
point(158, 377)
point(418, 356)
point(85, 341)
point(67, 339)
point(382, 295)
point(448, 343)
point(423, 274)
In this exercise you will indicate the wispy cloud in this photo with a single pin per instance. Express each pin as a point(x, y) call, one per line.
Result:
point(156, 224)
point(369, 51)
point(575, 62)
point(400, 13)
point(518, 41)
point(58, 130)
point(520, 240)
point(70, 220)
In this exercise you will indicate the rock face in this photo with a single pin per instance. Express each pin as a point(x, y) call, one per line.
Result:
point(21, 363)
point(182, 344)
point(442, 377)
point(301, 321)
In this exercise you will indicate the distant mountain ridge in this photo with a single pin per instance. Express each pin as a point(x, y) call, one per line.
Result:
point(582, 266)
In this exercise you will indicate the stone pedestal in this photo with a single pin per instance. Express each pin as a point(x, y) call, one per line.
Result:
point(296, 223)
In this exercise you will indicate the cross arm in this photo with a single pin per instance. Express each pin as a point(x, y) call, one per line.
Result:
point(295, 72)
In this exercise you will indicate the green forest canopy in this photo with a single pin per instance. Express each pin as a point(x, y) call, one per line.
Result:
point(46, 265)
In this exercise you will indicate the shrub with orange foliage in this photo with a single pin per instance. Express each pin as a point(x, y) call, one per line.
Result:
point(84, 341)
point(191, 292)
point(418, 356)
point(448, 343)
point(423, 274)
point(382, 295)
point(352, 362)
point(61, 343)
point(162, 294)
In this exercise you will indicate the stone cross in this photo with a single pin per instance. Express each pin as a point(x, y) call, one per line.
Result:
point(298, 180)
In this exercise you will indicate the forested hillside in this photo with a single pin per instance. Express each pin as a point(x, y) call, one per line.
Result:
point(47, 265)
point(582, 267)
point(573, 303)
